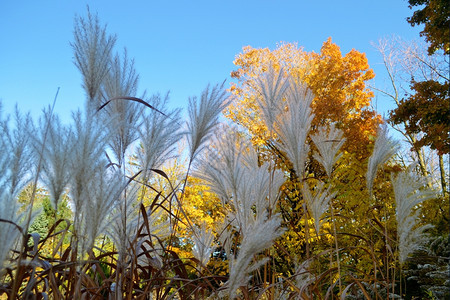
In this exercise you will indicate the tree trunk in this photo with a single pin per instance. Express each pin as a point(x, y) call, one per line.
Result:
point(442, 171)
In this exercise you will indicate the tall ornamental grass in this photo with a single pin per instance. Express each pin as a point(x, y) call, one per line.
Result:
point(120, 241)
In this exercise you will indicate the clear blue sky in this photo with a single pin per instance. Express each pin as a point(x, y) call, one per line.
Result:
point(179, 46)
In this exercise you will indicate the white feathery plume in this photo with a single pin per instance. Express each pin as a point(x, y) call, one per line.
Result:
point(85, 162)
point(318, 203)
point(249, 157)
point(232, 172)
point(55, 157)
point(86, 155)
point(9, 233)
point(158, 135)
point(124, 233)
point(203, 117)
point(410, 237)
point(258, 237)
point(410, 191)
point(15, 169)
point(266, 185)
point(221, 168)
point(272, 87)
point(250, 193)
point(203, 240)
point(303, 277)
point(92, 50)
point(383, 150)
point(293, 126)
point(258, 192)
point(328, 142)
point(262, 182)
point(16, 150)
point(227, 176)
point(124, 220)
point(121, 81)
point(102, 197)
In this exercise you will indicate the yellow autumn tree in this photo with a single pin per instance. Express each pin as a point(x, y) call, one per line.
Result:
point(338, 82)
point(342, 98)
point(198, 208)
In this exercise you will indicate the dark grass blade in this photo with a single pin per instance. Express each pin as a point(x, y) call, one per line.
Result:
point(12, 223)
point(358, 282)
point(135, 99)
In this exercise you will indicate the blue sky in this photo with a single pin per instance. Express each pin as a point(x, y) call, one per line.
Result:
point(179, 46)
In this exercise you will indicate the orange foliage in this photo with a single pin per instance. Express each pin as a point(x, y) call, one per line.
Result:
point(338, 83)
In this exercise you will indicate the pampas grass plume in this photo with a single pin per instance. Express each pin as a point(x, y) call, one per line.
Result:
point(203, 117)
point(383, 150)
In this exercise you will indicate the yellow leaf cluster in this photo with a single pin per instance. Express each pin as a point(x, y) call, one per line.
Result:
point(200, 207)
